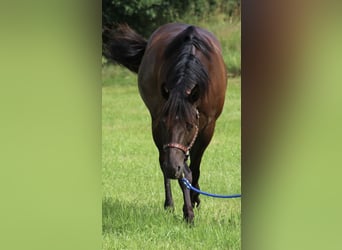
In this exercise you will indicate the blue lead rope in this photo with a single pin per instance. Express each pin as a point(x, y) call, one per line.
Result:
point(189, 186)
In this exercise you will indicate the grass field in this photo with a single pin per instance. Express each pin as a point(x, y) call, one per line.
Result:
point(133, 194)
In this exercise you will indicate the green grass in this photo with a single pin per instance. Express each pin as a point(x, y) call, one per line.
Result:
point(133, 193)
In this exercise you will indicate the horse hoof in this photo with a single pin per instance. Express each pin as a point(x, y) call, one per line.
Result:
point(189, 219)
point(169, 207)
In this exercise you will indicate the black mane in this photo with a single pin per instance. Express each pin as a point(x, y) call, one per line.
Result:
point(183, 72)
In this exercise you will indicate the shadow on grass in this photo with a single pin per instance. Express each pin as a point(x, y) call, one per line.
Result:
point(120, 217)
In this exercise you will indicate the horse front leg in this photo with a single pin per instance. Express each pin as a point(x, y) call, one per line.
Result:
point(187, 207)
point(168, 204)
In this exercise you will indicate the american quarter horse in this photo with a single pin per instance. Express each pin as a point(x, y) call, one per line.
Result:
point(182, 80)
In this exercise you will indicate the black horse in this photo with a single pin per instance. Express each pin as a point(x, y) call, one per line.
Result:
point(182, 80)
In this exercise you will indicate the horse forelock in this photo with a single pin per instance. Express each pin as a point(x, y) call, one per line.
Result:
point(178, 108)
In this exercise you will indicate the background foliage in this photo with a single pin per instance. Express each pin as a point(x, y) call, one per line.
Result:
point(146, 15)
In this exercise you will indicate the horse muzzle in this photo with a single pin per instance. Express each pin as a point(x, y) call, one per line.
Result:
point(173, 166)
point(173, 171)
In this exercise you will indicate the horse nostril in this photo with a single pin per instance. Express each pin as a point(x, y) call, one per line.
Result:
point(179, 168)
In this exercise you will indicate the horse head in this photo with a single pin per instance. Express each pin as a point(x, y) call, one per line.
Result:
point(180, 124)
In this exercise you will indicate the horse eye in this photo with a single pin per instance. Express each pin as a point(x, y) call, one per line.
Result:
point(165, 92)
point(189, 126)
point(194, 95)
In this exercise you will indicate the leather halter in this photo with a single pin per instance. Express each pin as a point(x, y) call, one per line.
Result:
point(185, 149)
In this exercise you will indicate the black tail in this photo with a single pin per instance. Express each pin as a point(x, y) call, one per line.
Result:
point(124, 46)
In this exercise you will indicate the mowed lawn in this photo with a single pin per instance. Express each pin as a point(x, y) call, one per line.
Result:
point(133, 193)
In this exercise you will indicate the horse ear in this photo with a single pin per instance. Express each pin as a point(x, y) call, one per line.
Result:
point(195, 94)
point(165, 92)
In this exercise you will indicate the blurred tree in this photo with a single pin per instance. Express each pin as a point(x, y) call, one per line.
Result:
point(146, 15)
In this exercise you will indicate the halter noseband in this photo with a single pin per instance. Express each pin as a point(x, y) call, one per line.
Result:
point(185, 149)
